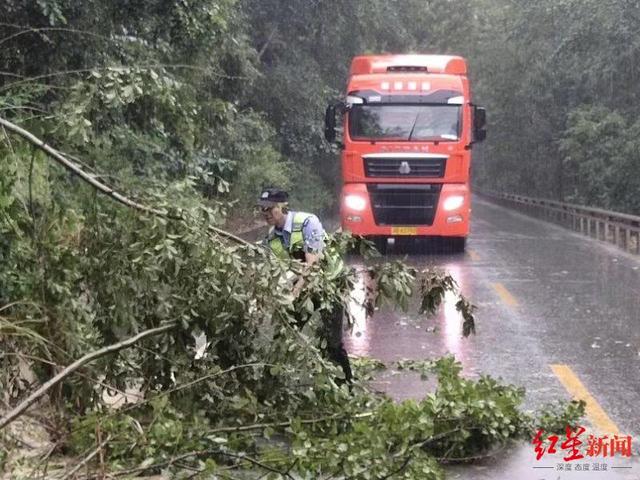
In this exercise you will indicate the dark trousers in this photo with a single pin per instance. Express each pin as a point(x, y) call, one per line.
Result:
point(331, 331)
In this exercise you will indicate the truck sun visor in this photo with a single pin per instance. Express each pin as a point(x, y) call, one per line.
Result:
point(454, 97)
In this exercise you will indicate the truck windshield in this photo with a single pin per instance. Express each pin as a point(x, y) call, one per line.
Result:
point(405, 122)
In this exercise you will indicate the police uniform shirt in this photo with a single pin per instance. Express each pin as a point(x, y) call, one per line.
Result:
point(312, 233)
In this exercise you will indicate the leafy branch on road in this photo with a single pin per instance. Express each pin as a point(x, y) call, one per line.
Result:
point(181, 111)
point(133, 279)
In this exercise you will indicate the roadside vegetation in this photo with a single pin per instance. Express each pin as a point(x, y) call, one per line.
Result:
point(118, 295)
point(559, 79)
point(126, 278)
point(234, 90)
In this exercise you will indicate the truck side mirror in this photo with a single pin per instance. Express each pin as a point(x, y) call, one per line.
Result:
point(479, 117)
point(330, 123)
point(331, 129)
point(479, 122)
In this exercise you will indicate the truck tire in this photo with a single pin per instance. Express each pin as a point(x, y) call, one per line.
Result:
point(455, 244)
point(380, 244)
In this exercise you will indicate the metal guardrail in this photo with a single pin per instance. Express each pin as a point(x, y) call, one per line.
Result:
point(619, 229)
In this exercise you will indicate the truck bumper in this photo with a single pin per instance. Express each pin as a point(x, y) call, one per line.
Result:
point(361, 207)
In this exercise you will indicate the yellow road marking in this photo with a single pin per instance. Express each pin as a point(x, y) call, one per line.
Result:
point(505, 296)
point(473, 255)
point(594, 411)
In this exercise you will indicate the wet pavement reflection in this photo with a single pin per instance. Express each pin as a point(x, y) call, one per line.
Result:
point(545, 296)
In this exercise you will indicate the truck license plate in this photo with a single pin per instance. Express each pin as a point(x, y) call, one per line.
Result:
point(404, 230)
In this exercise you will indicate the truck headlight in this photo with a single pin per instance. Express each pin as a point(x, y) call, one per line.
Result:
point(355, 202)
point(453, 202)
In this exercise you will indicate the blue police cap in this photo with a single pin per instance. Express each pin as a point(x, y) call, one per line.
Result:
point(272, 196)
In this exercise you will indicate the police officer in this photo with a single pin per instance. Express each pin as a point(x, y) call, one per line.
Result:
point(300, 236)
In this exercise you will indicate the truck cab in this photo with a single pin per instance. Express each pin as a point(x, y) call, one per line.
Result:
point(408, 126)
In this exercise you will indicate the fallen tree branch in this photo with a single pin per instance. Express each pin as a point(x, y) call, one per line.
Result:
point(188, 385)
point(472, 458)
point(197, 453)
point(257, 463)
point(164, 464)
point(53, 364)
point(403, 465)
point(17, 411)
point(259, 426)
point(71, 473)
point(105, 189)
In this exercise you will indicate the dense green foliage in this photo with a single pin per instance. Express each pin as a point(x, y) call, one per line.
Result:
point(551, 75)
point(251, 79)
point(221, 90)
point(258, 394)
point(559, 79)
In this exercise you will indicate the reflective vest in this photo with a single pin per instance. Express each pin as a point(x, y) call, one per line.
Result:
point(331, 259)
point(296, 242)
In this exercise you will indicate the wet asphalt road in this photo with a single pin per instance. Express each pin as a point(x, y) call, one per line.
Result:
point(546, 297)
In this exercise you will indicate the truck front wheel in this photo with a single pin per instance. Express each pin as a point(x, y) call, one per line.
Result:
point(380, 244)
point(455, 244)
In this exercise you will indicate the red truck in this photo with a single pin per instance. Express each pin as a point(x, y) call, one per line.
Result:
point(408, 128)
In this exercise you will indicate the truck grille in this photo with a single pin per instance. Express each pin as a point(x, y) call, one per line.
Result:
point(395, 204)
point(403, 166)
